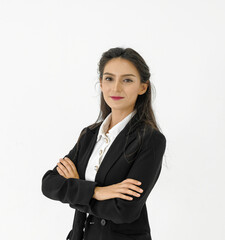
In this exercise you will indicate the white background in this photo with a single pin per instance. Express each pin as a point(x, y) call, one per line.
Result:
point(49, 52)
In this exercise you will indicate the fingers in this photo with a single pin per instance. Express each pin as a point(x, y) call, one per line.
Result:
point(63, 168)
point(112, 191)
point(120, 195)
point(66, 168)
point(134, 187)
point(132, 181)
point(126, 189)
point(61, 172)
point(128, 185)
point(71, 164)
point(67, 164)
point(133, 193)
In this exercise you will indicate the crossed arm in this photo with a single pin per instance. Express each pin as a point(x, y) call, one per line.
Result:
point(78, 193)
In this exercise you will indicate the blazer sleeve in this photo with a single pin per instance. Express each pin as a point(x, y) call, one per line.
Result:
point(146, 168)
point(71, 190)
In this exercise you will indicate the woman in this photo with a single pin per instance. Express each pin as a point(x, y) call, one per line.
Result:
point(109, 173)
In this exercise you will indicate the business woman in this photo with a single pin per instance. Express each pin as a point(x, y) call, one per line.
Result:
point(109, 173)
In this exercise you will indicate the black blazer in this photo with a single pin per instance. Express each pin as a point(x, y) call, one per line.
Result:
point(117, 218)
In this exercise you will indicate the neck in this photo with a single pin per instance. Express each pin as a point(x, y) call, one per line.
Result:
point(117, 116)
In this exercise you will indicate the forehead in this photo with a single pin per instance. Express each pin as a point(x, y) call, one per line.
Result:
point(120, 66)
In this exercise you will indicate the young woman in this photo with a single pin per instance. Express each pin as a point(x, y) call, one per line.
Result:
point(109, 173)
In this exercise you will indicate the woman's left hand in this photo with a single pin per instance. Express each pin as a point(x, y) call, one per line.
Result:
point(67, 169)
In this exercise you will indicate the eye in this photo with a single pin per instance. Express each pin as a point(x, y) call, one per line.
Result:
point(129, 80)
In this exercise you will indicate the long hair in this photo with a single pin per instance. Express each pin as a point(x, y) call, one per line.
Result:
point(143, 103)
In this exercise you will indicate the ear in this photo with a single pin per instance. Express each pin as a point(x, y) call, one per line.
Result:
point(143, 88)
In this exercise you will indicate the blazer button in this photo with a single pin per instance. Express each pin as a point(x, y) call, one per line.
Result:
point(96, 168)
point(103, 222)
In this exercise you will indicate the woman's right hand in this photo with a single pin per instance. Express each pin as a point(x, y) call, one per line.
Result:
point(118, 190)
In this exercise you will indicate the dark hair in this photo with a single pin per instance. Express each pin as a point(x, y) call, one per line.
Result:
point(143, 103)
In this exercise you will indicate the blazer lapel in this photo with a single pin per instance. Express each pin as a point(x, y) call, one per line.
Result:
point(113, 153)
point(90, 134)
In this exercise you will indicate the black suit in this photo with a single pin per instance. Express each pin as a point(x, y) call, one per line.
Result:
point(116, 218)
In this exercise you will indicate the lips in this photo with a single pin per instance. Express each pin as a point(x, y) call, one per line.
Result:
point(116, 97)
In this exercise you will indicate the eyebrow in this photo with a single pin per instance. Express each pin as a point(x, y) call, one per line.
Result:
point(107, 73)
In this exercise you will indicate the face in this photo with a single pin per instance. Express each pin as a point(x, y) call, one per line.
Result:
point(121, 78)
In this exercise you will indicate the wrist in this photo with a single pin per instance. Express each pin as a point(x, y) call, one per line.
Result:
point(96, 190)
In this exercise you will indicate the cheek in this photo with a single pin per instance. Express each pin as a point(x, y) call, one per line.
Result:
point(132, 94)
point(105, 88)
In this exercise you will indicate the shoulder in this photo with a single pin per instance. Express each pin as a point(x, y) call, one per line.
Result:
point(93, 127)
point(90, 128)
point(159, 136)
point(152, 136)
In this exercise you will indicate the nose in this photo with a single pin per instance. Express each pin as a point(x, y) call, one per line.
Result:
point(117, 86)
